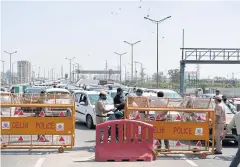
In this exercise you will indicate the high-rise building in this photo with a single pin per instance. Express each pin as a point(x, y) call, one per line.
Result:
point(24, 71)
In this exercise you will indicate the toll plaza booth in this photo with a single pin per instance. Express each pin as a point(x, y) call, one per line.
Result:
point(43, 121)
point(181, 126)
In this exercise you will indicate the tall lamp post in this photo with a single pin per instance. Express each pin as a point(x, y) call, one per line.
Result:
point(120, 56)
point(132, 56)
point(70, 61)
point(13, 71)
point(141, 70)
point(157, 22)
point(10, 77)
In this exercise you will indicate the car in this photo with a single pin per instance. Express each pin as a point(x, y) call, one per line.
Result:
point(58, 96)
point(85, 106)
point(71, 88)
point(6, 98)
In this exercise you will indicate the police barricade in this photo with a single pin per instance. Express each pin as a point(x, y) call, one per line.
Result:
point(184, 129)
point(37, 122)
point(121, 140)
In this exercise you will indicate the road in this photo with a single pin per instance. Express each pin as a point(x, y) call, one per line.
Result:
point(83, 154)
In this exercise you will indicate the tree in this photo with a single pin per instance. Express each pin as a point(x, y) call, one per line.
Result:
point(161, 77)
point(174, 75)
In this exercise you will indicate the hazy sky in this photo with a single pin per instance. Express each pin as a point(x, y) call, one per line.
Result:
point(47, 32)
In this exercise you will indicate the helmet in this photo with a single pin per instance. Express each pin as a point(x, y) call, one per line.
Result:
point(118, 113)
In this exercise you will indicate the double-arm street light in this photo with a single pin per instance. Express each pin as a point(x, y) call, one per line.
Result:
point(10, 54)
point(70, 61)
point(120, 55)
point(157, 22)
point(132, 56)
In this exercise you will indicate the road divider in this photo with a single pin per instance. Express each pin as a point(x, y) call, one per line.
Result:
point(184, 130)
point(37, 125)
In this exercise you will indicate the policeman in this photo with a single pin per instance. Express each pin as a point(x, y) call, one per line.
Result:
point(220, 122)
point(101, 111)
point(234, 122)
point(163, 118)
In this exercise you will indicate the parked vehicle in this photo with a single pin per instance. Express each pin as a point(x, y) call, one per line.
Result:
point(85, 106)
point(58, 96)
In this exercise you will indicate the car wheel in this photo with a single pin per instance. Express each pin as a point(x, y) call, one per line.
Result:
point(89, 121)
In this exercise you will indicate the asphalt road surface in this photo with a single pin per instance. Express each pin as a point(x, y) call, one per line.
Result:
point(83, 154)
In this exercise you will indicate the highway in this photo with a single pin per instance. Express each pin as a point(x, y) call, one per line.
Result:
point(83, 154)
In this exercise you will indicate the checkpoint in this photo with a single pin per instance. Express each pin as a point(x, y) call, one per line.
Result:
point(136, 138)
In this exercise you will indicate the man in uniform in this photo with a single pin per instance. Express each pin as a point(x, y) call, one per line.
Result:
point(220, 122)
point(163, 116)
point(234, 122)
point(101, 111)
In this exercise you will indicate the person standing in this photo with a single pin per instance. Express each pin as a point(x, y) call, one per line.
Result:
point(234, 122)
point(220, 119)
point(101, 111)
point(163, 117)
point(118, 100)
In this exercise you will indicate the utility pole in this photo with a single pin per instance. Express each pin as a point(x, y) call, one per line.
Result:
point(73, 72)
point(10, 77)
point(62, 71)
point(70, 62)
point(135, 71)
point(132, 44)
point(38, 73)
point(44, 73)
point(107, 71)
point(157, 22)
point(120, 56)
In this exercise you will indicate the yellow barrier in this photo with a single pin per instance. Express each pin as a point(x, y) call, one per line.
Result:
point(37, 126)
point(186, 129)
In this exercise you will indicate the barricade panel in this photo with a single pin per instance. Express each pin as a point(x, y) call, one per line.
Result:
point(120, 146)
point(185, 128)
point(37, 123)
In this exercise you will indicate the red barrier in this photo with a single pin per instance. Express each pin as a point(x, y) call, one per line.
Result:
point(124, 140)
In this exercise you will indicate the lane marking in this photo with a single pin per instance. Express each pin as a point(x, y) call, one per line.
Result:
point(39, 162)
point(188, 160)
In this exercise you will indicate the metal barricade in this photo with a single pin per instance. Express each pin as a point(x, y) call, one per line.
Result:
point(43, 123)
point(184, 129)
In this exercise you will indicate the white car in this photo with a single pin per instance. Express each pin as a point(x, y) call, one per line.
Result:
point(85, 106)
point(58, 96)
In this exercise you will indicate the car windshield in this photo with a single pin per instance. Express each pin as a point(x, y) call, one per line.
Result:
point(94, 98)
point(58, 95)
point(227, 109)
point(35, 91)
point(171, 95)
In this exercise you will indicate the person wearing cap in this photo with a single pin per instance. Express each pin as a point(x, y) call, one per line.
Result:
point(234, 122)
point(118, 100)
point(220, 119)
point(163, 116)
point(101, 111)
point(218, 93)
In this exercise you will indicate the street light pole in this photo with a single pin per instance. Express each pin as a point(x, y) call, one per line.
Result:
point(120, 56)
point(157, 22)
point(132, 55)
point(141, 69)
point(70, 61)
point(10, 77)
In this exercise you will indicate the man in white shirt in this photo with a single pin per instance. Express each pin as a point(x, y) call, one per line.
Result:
point(234, 122)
